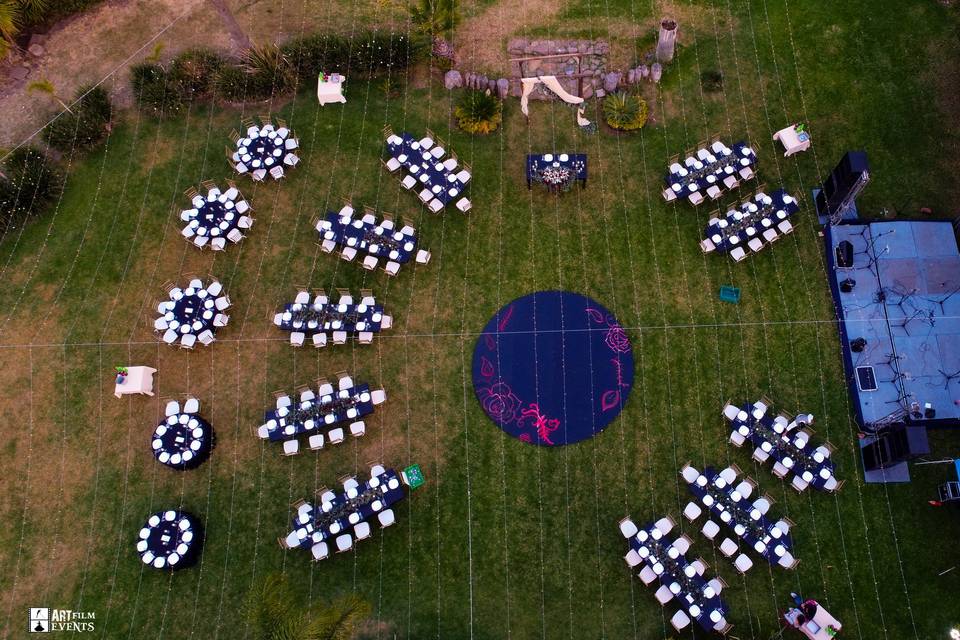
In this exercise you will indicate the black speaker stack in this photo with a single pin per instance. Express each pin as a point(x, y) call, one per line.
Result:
point(843, 184)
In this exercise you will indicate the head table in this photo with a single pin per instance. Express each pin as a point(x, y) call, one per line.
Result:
point(557, 170)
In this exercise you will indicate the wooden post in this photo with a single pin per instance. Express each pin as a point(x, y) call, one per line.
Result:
point(666, 40)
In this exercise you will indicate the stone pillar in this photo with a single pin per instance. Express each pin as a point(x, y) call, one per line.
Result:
point(666, 40)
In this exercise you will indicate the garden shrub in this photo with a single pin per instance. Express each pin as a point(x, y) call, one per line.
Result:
point(711, 81)
point(86, 126)
point(478, 112)
point(194, 72)
point(365, 54)
point(31, 185)
point(154, 91)
point(625, 112)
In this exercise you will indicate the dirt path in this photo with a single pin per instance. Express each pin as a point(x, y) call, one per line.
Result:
point(481, 39)
point(104, 42)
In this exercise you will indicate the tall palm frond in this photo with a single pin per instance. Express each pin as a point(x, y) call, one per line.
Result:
point(434, 17)
point(339, 620)
point(273, 614)
point(9, 25)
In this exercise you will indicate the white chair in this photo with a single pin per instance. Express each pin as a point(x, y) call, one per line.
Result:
point(695, 198)
point(464, 205)
point(192, 405)
point(291, 447)
point(762, 504)
point(335, 436)
point(291, 143)
point(425, 196)
point(463, 176)
point(392, 268)
point(710, 529)
point(779, 470)
point(831, 484)
point(244, 222)
point(172, 408)
point(744, 489)
point(760, 455)
point(357, 428)
point(303, 297)
point(665, 525)
point(435, 205)
point(787, 561)
point(220, 320)
point(426, 142)
point(206, 337)
point(755, 244)
point(738, 254)
point(315, 441)
point(423, 257)
point(361, 530)
point(263, 431)
point(699, 566)
point(632, 558)
point(663, 594)
point(716, 584)
point(386, 322)
point(714, 191)
point(785, 227)
point(345, 382)
point(378, 396)
point(242, 207)
point(296, 338)
point(259, 175)
point(328, 246)
point(348, 253)
point(339, 337)
point(743, 563)
point(799, 483)
point(647, 576)
point(222, 303)
point(393, 164)
point(276, 172)
point(689, 474)
point(728, 547)
point(370, 263)
point(627, 528)
point(691, 512)
point(706, 245)
point(187, 232)
point(214, 288)
point(320, 551)
point(771, 235)
point(385, 517)
point(729, 475)
point(188, 340)
point(731, 182)
point(365, 337)
point(344, 543)
point(408, 182)
point(437, 152)
point(319, 340)
point(170, 336)
point(283, 402)
point(682, 544)
point(737, 439)
point(680, 620)
point(160, 324)
point(201, 241)
point(450, 164)
point(669, 195)
point(219, 244)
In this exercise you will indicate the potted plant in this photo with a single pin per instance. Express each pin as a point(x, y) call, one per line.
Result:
point(625, 112)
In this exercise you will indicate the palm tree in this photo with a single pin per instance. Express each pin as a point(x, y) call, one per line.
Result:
point(45, 86)
point(14, 14)
point(435, 18)
point(273, 614)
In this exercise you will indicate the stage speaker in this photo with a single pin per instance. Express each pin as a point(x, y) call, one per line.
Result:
point(858, 345)
point(846, 286)
point(843, 184)
point(895, 445)
point(845, 254)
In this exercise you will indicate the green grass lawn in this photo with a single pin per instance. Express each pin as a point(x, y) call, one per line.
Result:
point(504, 539)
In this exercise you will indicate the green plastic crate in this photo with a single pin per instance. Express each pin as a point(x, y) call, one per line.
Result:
point(730, 294)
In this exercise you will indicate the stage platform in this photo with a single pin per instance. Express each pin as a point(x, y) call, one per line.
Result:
point(905, 303)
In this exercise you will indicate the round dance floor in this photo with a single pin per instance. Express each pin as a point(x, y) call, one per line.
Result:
point(552, 368)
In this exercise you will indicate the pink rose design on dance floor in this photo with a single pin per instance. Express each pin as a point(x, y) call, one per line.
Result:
point(617, 339)
point(499, 402)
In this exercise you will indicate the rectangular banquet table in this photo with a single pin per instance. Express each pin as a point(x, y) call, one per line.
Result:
point(691, 596)
point(751, 219)
point(758, 533)
point(741, 156)
point(576, 162)
point(369, 237)
point(803, 461)
point(426, 169)
point(330, 317)
point(291, 421)
point(319, 521)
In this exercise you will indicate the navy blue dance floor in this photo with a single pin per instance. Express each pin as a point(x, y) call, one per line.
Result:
point(552, 368)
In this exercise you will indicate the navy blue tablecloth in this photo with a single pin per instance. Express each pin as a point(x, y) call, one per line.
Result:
point(754, 530)
point(424, 167)
point(698, 178)
point(310, 319)
point(370, 237)
point(691, 587)
point(744, 224)
point(319, 522)
point(783, 446)
point(334, 404)
point(575, 162)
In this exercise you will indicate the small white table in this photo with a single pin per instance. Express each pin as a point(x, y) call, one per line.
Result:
point(792, 141)
point(138, 380)
point(331, 90)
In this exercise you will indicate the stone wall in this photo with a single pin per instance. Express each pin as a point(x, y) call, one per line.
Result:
point(593, 62)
